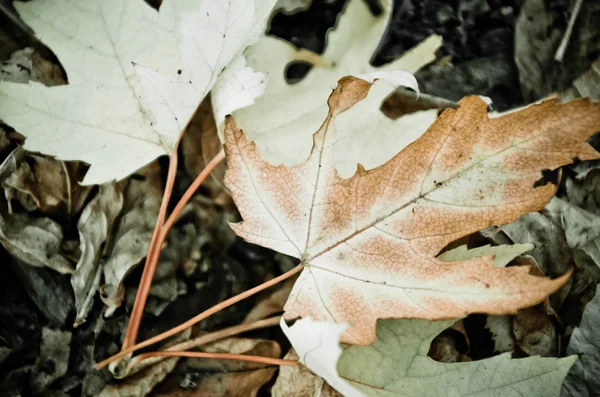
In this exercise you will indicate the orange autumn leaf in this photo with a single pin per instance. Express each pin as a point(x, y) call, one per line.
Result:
point(369, 243)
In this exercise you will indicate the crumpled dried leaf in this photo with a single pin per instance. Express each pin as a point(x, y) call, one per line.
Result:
point(95, 226)
point(502, 254)
point(34, 240)
point(292, 6)
point(42, 183)
point(534, 332)
point(141, 383)
point(500, 328)
point(212, 378)
point(586, 85)
point(201, 137)
point(53, 360)
point(368, 243)
point(317, 346)
point(283, 120)
point(551, 250)
point(539, 30)
point(27, 64)
point(133, 232)
point(582, 228)
point(583, 380)
point(272, 304)
point(299, 381)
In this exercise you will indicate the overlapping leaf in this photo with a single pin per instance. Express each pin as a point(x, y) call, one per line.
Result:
point(369, 243)
point(115, 114)
point(283, 120)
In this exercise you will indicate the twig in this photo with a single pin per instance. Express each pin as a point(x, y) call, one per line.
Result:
point(140, 362)
point(560, 52)
point(201, 316)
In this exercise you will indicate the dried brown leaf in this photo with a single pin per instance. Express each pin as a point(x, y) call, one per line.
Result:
point(368, 243)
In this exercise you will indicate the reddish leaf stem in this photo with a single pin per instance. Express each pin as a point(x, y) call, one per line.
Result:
point(158, 238)
point(201, 316)
point(140, 362)
point(224, 356)
point(150, 264)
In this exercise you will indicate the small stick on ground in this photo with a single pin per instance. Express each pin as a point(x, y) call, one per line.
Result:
point(560, 52)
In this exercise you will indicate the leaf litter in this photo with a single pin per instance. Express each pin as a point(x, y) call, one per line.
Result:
point(579, 290)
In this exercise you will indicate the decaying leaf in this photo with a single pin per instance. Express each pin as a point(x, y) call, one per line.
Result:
point(201, 137)
point(283, 120)
point(133, 232)
point(551, 248)
point(299, 381)
point(534, 332)
point(211, 378)
point(502, 254)
point(272, 304)
point(95, 225)
point(115, 114)
point(53, 360)
point(34, 240)
point(27, 64)
point(500, 328)
point(369, 243)
point(583, 380)
point(317, 346)
point(582, 228)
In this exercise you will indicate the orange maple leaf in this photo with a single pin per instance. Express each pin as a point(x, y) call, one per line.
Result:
point(369, 243)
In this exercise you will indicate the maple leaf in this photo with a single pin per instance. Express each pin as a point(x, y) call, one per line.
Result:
point(115, 114)
point(368, 243)
point(283, 120)
point(404, 369)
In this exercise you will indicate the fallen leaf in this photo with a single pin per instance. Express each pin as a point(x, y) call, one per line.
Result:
point(141, 383)
point(586, 85)
point(551, 250)
point(539, 30)
point(133, 232)
point(502, 254)
point(292, 6)
point(34, 240)
point(212, 378)
point(582, 228)
point(272, 304)
point(27, 64)
point(136, 76)
point(500, 328)
point(299, 381)
point(404, 369)
point(583, 380)
point(368, 243)
point(534, 332)
point(95, 225)
point(53, 359)
point(317, 346)
point(283, 120)
point(201, 137)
